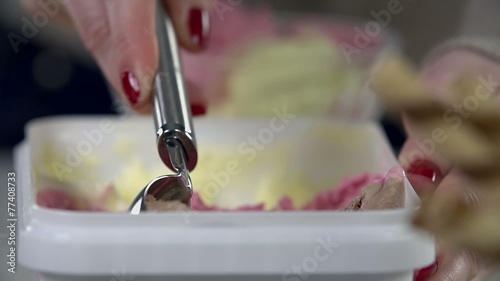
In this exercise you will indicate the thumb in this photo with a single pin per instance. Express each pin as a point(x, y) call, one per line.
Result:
point(424, 166)
point(191, 20)
point(121, 35)
point(451, 264)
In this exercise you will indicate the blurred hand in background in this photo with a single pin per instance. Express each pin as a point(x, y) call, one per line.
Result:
point(121, 37)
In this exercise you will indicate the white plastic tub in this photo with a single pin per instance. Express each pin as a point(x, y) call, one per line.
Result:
point(81, 246)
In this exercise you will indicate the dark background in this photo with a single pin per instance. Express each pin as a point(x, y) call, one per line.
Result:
point(31, 86)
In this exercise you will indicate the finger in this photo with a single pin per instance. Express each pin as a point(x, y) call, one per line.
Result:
point(396, 83)
point(443, 212)
point(443, 73)
point(474, 101)
point(457, 184)
point(479, 229)
point(121, 36)
point(469, 122)
point(191, 20)
point(465, 146)
point(196, 98)
point(453, 264)
point(463, 216)
point(426, 273)
point(132, 52)
point(425, 167)
point(447, 207)
point(444, 128)
point(424, 170)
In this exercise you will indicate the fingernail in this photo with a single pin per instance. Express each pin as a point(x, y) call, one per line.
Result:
point(199, 26)
point(131, 87)
point(198, 109)
point(426, 272)
point(425, 169)
point(396, 172)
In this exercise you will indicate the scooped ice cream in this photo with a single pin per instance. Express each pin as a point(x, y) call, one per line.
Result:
point(154, 205)
point(382, 194)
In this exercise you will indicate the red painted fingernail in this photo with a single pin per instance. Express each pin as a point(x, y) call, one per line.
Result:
point(131, 87)
point(199, 26)
point(198, 109)
point(426, 272)
point(426, 169)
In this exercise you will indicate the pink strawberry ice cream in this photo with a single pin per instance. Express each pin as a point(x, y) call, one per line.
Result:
point(236, 30)
point(57, 199)
point(63, 199)
point(340, 197)
point(229, 32)
point(365, 191)
point(335, 199)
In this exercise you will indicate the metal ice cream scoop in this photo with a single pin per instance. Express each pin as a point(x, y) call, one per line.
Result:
point(170, 187)
point(172, 118)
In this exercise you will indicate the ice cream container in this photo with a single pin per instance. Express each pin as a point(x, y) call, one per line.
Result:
point(317, 65)
point(81, 246)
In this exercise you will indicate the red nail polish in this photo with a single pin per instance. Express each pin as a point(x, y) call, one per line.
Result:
point(426, 272)
point(131, 87)
point(198, 109)
point(199, 26)
point(425, 169)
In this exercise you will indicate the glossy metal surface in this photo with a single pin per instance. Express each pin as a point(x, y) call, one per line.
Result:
point(172, 118)
point(172, 112)
point(169, 187)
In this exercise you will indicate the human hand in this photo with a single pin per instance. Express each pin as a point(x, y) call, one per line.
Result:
point(452, 263)
point(463, 83)
point(121, 36)
point(450, 156)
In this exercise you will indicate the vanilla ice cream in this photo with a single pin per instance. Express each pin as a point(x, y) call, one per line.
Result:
point(305, 73)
